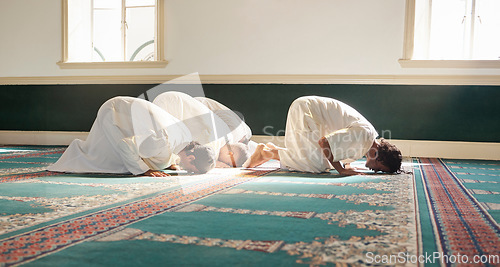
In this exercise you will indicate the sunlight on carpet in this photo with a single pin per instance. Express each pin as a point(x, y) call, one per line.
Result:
point(261, 216)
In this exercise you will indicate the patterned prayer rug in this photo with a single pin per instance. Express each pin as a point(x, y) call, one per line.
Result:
point(249, 217)
point(461, 210)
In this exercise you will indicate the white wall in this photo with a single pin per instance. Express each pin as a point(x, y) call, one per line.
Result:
point(339, 37)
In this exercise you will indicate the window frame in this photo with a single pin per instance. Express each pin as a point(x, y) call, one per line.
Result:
point(407, 62)
point(159, 61)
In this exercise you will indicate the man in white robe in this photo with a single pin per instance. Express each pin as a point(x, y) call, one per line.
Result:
point(323, 132)
point(205, 126)
point(129, 135)
point(239, 129)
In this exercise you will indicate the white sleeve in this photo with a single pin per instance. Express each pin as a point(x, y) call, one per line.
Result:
point(350, 143)
point(198, 118)
point(237, 126)
point(130, 156)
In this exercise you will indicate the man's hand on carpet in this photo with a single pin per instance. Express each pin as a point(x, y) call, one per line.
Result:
point(174, 167)
point(153, 173)
point(349, 172)
point(349, 167)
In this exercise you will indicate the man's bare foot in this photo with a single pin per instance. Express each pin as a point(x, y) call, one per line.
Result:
point(220, 164)
point(259, 157)
point(273, 146)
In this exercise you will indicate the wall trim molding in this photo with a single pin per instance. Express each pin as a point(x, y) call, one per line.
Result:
point(419, 63)
point(112, 65)
point(409, 148)
point(262, 79)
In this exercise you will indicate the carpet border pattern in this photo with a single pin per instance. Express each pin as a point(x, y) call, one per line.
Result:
point(40, 242)
point(462, 225)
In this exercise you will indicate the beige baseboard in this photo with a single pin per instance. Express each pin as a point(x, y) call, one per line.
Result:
point(409, 148)
point(449, 149)
point(268, 79)
point(43, 138)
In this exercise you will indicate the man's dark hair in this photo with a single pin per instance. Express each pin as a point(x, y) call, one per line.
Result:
point(204, 156)
point(390, 156)
point(240, 152)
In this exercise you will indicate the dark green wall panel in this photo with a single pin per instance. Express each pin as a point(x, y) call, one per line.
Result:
point(454, 113)
point(57, 107)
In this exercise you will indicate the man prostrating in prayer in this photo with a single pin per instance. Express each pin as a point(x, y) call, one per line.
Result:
point(321, 133)
point(206, 127)
point(240, 131)
point(131, 135)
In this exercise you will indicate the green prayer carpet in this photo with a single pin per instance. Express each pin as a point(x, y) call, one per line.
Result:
point(441, 212)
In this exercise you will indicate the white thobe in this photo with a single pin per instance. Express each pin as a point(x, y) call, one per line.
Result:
point(309, 118)
point(239, 129)
point(129, 135)
point(206, 127)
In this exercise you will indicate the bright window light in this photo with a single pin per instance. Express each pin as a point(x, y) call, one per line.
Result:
point(111, 30)
point(457, 30)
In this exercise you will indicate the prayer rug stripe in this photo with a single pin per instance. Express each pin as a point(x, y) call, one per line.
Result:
point(31, 155)
point(25, 176)
point(462, 224)
point(35, 244)
point(26, 154)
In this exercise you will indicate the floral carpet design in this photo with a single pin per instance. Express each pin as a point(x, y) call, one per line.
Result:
point(245, 217)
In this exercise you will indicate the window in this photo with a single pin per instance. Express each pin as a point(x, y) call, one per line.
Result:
point(113, 31)
point(458, 33)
